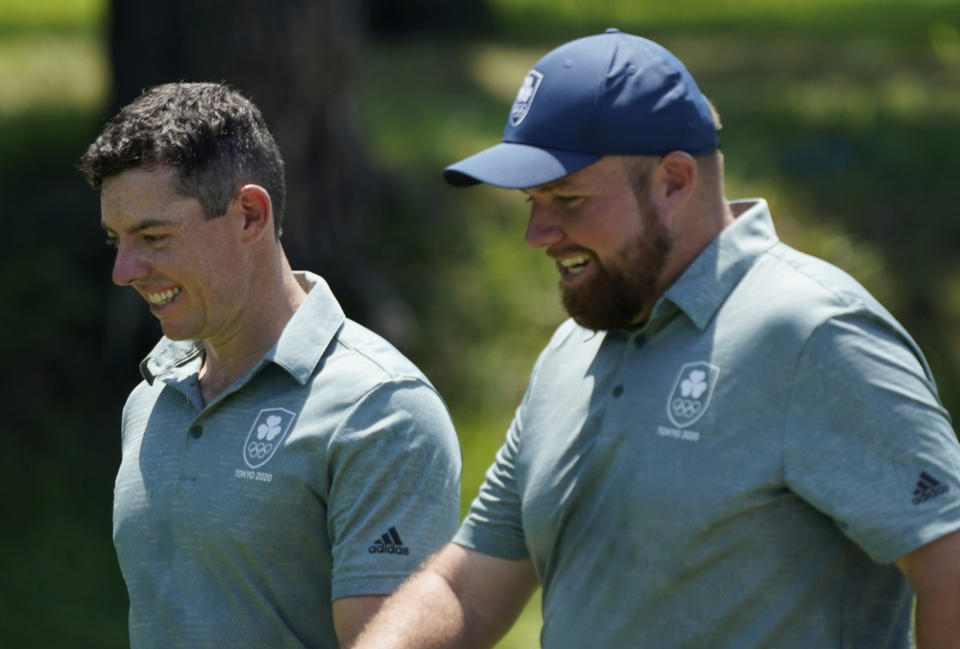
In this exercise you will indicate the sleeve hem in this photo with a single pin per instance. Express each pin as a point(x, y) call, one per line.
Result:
point(904, 544)
point(488, 542)
point(369, 585)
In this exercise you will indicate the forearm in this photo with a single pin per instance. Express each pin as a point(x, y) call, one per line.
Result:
point(934, 571)
point(462, 600)
point(424, 614)
point(938, 622)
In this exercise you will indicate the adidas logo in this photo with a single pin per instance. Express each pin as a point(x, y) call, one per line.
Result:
point(928, 487)
point(389, 543)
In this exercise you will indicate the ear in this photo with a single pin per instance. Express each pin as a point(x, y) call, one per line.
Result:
point(256, 209)
point(673, 182)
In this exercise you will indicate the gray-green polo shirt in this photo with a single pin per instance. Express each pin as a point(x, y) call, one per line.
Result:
point(330, 470)
point(737, 474)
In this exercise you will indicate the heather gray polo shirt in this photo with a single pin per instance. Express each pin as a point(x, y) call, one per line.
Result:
point(739, 473)
point(330, 470)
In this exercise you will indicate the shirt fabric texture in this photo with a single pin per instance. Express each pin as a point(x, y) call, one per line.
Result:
point(329, 470)
point(738, 473)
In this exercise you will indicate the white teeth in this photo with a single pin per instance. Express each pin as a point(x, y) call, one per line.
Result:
point(163, 297)
point(574, 264)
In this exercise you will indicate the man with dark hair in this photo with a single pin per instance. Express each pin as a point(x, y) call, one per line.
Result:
point(731, 445)
point(214, 137)
point(283, 468)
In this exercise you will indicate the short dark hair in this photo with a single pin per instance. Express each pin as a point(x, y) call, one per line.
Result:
point(212, 136)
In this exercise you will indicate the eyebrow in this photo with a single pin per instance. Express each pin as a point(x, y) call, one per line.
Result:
point(146, 224)
point(548, 187)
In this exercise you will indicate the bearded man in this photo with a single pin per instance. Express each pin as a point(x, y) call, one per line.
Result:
point(730, 445)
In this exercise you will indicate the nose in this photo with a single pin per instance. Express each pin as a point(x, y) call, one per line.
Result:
point(544, 228)
point(128, 266)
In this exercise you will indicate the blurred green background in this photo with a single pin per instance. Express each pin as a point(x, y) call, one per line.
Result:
point(844, 114)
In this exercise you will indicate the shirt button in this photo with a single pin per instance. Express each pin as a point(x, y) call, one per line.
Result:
point(196, 431)
point(617, 391)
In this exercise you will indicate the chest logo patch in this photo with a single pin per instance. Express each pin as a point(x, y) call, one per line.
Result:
point(266, 435)
point(691, 393)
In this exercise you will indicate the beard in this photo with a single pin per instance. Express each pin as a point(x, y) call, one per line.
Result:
point(618, 293)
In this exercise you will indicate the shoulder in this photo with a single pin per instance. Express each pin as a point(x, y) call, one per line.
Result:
point(790, 289)
point(566, 358)
point(841, 334)
point(142, 397)
point(141, 405)
point(360, 355)
point(368, 381)
point(571, 340)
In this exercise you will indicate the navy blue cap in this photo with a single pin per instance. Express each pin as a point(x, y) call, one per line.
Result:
point(607, 94)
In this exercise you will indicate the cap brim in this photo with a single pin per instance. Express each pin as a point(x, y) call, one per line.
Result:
point(516, 166)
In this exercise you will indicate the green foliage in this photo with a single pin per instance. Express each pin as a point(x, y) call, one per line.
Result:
point(61, 581)
point(844, 114)
point(51, 15)
point(34, 72)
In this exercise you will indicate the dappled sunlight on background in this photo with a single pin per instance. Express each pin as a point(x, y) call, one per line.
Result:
point(34, 73)
point(845, 116)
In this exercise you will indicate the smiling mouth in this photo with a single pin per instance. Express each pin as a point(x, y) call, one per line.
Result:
point(573, 265)
point(162, 297)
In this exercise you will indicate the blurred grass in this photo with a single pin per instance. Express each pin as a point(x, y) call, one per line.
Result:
point(844, 114)
point(54, 78)
point(43, 70)
point(48, 16)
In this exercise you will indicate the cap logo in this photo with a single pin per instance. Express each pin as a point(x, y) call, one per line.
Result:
point(521, 105)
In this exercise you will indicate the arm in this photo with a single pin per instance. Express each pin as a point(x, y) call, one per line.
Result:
point(392, 468)
point(934, 571)
point(350, 614)
point(462, 598)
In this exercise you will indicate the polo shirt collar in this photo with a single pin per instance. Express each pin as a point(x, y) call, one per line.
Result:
point(171, 357)
point(310, 331)
point(302, 343)
point(705, 284)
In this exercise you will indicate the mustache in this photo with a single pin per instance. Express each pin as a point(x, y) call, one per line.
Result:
point(568, 251)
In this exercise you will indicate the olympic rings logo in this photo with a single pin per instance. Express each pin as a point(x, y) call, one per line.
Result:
point(259, 450)
point(685, 408)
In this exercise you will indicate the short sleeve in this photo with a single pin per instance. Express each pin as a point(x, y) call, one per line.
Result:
point(867, 440)
point(494, 523)
point(394, 487)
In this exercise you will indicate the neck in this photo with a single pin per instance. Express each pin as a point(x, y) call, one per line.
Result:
point(273, 299)
point(692, 231)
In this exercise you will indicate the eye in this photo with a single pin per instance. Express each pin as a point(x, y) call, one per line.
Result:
point(112, 242)
point(569, 201)
point(154, 238)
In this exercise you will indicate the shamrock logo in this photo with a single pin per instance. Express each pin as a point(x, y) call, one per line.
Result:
point(691, 393)
point(695, 384)
point(266, 435)
point(269, 429)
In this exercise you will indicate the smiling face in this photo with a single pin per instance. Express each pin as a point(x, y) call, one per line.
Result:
point(608, 242)
point(187, 267)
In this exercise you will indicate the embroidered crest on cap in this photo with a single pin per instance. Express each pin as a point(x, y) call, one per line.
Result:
point(691, 393)
point(521, 105)
point(266, 435)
